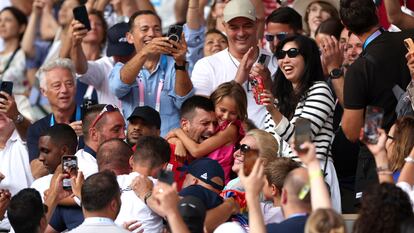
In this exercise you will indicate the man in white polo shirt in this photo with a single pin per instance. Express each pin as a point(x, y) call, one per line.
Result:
point(209, 72)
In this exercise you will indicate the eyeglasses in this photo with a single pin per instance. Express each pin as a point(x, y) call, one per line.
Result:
point(292, 52)
point(107, 108)
point(244, 148)
point(280, 36)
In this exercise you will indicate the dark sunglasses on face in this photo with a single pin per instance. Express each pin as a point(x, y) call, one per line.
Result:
point(243, 148)
point(292, 52)
point(280, 36)
point(107, 108)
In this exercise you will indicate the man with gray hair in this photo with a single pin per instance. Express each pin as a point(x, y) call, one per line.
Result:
point(58, 85)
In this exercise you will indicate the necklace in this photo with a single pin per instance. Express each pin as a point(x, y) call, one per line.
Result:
point(231, 58)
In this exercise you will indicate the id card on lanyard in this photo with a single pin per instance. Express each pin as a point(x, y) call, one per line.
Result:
point(141, 88)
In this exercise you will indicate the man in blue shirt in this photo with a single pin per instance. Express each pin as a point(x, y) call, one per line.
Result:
point(152, 77)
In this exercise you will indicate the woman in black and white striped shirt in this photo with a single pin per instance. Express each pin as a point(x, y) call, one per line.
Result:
point(301, 92)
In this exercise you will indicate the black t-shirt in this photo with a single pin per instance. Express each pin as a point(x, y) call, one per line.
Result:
point(370, 79)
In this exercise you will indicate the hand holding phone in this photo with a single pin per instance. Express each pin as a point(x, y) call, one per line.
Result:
point(257, 82)
point(81, 14)
point(70, 167)
point(166, 177)
point(174, 32)
point(409, 44)
point(7, 87)
point(373, 121)
point(302, 134)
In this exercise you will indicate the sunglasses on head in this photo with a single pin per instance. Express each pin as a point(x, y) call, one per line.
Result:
point(107, 108)
point(243, 148)
point(292, 52)
point(280, 36)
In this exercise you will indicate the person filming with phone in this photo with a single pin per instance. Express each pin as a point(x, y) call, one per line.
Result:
point(157, 75)
point(302, 95)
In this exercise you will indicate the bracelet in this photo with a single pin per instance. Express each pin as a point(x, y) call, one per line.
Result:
point(147, 195)
point(384, 170)
point(315, 174)
point(408, 159)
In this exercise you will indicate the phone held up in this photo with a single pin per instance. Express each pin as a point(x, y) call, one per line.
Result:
point(302, 133)
point(257, 82)
point(81, 14)
point(69, 166)
point(7, 87)
point(373, 121)
point(166, 176)
point(174, 32)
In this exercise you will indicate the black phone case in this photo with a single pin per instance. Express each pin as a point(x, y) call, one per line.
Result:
point(174, 32)
point(81, 14)
point(7, 87)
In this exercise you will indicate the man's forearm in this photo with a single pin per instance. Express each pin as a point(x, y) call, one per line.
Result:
point(29, 36)
point(131, 69)
point(183, 84)
point(218, 215)
point(338, 86)
point(79, 59)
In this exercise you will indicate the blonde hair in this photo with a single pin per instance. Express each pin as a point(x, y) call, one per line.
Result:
point(266, 143)
point(235, 91)
point(325, 221)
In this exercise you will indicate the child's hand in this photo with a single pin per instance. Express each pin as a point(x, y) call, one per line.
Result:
point(268, 100)
point(180, 151)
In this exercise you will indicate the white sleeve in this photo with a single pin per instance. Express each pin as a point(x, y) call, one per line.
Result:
point(202, 77)
point(95, 75)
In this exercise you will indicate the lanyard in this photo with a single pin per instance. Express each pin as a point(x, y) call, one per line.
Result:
point(141, 88)
point(10, 61)
point(372, 37)
point(77, 118)
point(99, 220)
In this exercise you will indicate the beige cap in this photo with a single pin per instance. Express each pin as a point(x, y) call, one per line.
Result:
point(239, 8)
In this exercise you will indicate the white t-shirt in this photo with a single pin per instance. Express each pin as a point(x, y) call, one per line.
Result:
point(211, 71)
point(86, 163)
point(42, 184)
point(15, 166)
point(133, 208)
point(97, 76)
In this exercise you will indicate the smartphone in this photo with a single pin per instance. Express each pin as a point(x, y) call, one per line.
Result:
point(69, 166)
point(409, 44)
point(166, 176)
point(7, 87)
point(263, 60)
point(257, 81)
point(373, 121)
point(81, 14)
point(250, 158)
point(302, 133)
point(174, 32)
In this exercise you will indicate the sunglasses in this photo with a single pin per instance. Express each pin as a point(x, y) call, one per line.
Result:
point(243, 148)
point(107, 108)
point(280, 36)
point(292, 52)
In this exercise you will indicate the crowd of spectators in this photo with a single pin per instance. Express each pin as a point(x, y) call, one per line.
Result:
point(206, 116)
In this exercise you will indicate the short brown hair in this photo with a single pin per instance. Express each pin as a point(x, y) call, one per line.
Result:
point(234, 90)
point(325, 221)
point(277, 170)
point(325, 7)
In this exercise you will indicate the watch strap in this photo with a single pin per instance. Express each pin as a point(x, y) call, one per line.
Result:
point(183, 67)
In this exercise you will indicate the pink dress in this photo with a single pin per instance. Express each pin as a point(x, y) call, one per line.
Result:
point(224, 154)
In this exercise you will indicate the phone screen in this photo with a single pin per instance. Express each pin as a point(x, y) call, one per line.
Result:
point(69, 166)
point(166, 177)
point(373, 121)
point(7, 87)
point(81, 14)
point(302, 133)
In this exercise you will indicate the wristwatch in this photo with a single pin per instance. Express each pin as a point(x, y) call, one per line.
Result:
point(19, 119)
point(336, 73)
point(183, 67)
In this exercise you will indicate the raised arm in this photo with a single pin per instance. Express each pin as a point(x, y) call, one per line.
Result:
point(48, 23)
point(76, 53)
point(199, 150)
point(183, 84)
point(29, 36)
point(396, 16)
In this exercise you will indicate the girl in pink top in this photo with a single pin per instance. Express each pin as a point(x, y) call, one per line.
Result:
point(230, 104)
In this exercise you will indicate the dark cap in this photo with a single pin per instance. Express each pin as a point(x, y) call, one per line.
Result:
point(117, 41)
point(148, 114)
point(205, 169)
point(193, 212)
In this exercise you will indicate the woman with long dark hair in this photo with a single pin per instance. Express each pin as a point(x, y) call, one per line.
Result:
point(299, 91)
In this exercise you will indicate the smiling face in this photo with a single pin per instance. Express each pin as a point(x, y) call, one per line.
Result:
point(316, 15)
point(353, 48)
point(241, 33)
point(226, 110)
point(292, 68)
point(214, 43)
point(146, 27)
point(60, 88)
point(239, 156)
point(276, 28)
